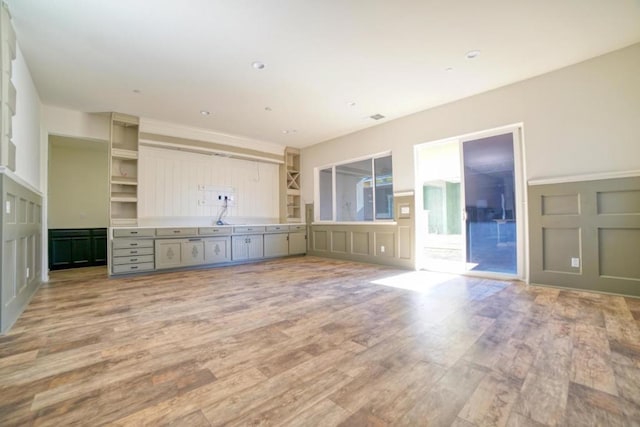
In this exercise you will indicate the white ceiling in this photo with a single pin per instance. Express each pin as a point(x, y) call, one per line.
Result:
point(389, 57)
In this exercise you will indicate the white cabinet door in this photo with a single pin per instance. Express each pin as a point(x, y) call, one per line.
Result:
point(192, 252)
point(168, 253)
point(239, 248)
point(276, 245)
point(217, 249)
point(297, 243)
point(255, 246)
point(247, 247)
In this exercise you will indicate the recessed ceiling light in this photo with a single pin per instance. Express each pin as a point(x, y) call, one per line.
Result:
point(377, 116)
point(136, 91)
point(289, 131)
point(205, 113)
point(258, 65)
point(448, 69)
point(267, 109)
point(472, 54)
point(352, 104)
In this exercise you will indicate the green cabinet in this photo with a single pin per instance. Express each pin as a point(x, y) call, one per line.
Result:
point(72, 248)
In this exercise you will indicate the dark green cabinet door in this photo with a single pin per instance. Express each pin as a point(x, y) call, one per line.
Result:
point(99, 250)
point(81, 251)
point(77, 248)
point(59, 253)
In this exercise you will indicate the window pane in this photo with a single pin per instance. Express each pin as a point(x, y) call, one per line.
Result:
point(326, 195)
point(354, 192)
point(384, 188)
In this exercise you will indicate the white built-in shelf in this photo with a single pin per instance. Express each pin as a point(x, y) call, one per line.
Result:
point(124, 197)
point(120, 153)
point(124, 180)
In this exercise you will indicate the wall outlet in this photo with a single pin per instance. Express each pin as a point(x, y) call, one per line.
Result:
point(201, 202)
point(382, 249)
point(575, 262)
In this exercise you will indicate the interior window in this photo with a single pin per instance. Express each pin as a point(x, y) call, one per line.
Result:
point(363, 190)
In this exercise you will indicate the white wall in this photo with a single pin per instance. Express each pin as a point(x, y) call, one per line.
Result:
point(76, 124)
point(26, 124)
point(169, 186)
point(578, 120)
point(78, 191)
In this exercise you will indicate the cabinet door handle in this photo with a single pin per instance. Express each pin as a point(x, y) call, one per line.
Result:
point(133, 232)
point(133, 252)
point(195, 240)
point(133, 259)
point(176, 231)
point(133, 244)
point(134, 267)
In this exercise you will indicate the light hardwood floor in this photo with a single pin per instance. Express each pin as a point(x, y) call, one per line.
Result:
point(314, 342)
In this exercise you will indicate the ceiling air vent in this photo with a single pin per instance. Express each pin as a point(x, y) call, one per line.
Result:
point(377, 116)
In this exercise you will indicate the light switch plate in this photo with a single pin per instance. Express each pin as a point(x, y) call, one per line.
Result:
point(575, 262)
point(8, 207)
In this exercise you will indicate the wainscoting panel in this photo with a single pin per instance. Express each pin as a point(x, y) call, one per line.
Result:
point(360, 243)
point(320, 240)
point(339, 241)
point(381, 243)
point(559, 246)
point(619, 250)
point(21, 249)
point(563, 204)
point(595, 224)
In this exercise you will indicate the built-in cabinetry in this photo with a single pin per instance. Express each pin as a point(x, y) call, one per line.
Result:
point(132, 250)
point(8, 104)
point(144, 249)
point(290, 200)
point(247, 244)
point(123, 169)
point(71, 248)
point(297, 239)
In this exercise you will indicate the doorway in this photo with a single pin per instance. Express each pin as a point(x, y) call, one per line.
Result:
point(469, 216)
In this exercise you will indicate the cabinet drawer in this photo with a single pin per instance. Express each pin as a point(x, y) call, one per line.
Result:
point(134, 232)
point(132, 259)
point(132, 268)
point(298, 227)
point(176, 231)
point(130, 243)
point(277, 228)
point(132, 251)
point(249, 229)
point(215, 231)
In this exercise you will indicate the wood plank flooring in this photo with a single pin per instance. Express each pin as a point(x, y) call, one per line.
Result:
point(314, 342)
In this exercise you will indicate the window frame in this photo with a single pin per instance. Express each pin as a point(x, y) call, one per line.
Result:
point(332, 166)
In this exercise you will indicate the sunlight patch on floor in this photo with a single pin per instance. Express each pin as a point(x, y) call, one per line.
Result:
point(419, 281)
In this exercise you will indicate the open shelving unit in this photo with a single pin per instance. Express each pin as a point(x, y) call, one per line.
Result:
point(123, 170)
point(291, 202)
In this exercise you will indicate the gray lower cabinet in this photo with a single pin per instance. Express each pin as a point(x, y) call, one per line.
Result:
point(132, 255)
point(247, 247)
point(276, 245)
point(297, 243)
point(168, 253)
point(192, 252)
point(217, 249)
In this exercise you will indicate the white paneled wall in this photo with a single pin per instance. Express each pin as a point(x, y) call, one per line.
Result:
point(171, 185)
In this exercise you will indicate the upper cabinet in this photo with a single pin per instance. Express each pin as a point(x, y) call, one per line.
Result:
point(123, 169)
point(290, 200)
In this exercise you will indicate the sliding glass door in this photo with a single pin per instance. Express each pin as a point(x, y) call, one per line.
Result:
point(489, 204)
point(469, 216)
